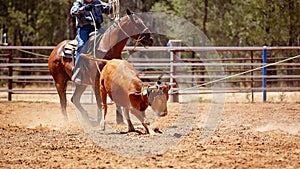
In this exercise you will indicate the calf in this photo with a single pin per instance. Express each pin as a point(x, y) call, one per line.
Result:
point(121, 82)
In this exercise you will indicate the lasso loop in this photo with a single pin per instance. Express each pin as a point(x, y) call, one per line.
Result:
point(116, 9)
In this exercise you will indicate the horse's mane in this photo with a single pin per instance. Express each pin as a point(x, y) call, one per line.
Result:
point(114, 24)
point(90, 43)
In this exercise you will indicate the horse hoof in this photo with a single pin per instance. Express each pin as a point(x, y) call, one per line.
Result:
point(131, 130)
point(102, 125)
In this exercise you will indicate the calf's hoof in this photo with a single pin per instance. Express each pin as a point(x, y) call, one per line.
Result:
point(147, 122)
point(156, 130)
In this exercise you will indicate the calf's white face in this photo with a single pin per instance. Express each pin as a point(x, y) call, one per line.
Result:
point(158, 99)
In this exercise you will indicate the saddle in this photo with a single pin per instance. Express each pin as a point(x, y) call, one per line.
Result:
point(70, 49)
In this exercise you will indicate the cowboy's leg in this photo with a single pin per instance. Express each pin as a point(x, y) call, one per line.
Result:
point(82, 36)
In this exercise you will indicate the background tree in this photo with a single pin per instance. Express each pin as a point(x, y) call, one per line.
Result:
point(225, 22)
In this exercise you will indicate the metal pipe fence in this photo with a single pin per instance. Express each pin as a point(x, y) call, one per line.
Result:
point(185, 71)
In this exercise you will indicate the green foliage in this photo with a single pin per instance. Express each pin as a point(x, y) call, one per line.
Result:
point(225, 22)
point(33, 22)
point(241, 23)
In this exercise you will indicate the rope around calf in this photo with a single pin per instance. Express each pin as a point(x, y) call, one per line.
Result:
point(238, 74)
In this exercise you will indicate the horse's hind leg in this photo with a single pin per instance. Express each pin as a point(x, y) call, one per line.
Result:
point(119, 115)
point(79, 89)
point(61, 89)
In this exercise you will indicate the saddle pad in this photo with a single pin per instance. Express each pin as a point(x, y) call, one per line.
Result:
point(70, 49)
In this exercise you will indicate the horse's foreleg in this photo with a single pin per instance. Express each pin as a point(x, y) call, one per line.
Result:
point(79, 89)
point(61, 89)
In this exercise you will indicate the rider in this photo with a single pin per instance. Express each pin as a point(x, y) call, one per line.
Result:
point(82, 10)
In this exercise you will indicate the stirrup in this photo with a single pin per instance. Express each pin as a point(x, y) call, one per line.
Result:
point(75, 75)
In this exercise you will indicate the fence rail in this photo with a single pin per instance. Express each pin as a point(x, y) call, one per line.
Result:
point(185, 71)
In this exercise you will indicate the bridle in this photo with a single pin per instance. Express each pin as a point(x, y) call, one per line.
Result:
point(140, 37)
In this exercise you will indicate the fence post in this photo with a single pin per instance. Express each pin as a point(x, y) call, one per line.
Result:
point(252, 80)
point(173, 58)
point(10, 75)
point(264, 73)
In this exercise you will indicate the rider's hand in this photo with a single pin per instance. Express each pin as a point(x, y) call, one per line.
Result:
point(88, 7)
point(115, 4)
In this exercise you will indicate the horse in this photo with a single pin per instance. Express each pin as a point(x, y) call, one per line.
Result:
point(111, 45)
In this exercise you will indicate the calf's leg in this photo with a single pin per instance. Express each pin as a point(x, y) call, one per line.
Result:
point(96, 88)
point(103, 95)
point(141, 116)
point(130, 126)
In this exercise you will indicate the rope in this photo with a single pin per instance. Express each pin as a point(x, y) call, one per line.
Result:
point(238, 74)
point(32, 53)
point(115, 17)
point(117, 12)
point(116, 9)
point(95, 34)
point(137, 41)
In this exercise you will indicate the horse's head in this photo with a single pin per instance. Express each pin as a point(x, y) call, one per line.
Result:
point(134, 27)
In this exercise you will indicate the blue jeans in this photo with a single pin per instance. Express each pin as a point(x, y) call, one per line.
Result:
point(82, 36)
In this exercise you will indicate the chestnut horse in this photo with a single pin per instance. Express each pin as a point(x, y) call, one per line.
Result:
point(110, 47)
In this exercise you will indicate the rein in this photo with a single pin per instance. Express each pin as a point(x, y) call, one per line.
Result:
point(116, 18)
point(140, 38)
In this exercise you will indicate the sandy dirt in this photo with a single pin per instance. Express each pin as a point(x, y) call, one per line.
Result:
point(249, 135)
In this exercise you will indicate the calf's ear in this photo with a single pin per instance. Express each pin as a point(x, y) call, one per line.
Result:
point(165, 88)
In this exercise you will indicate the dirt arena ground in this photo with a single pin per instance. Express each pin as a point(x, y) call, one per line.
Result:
point(249, 135)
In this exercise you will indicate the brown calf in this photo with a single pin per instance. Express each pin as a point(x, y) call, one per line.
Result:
point(121, 82)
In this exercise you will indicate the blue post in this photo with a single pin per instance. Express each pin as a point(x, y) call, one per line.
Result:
point(264, 73)
point(4, 40)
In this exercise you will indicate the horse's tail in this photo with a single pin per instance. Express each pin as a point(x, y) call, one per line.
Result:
point(88, 56)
